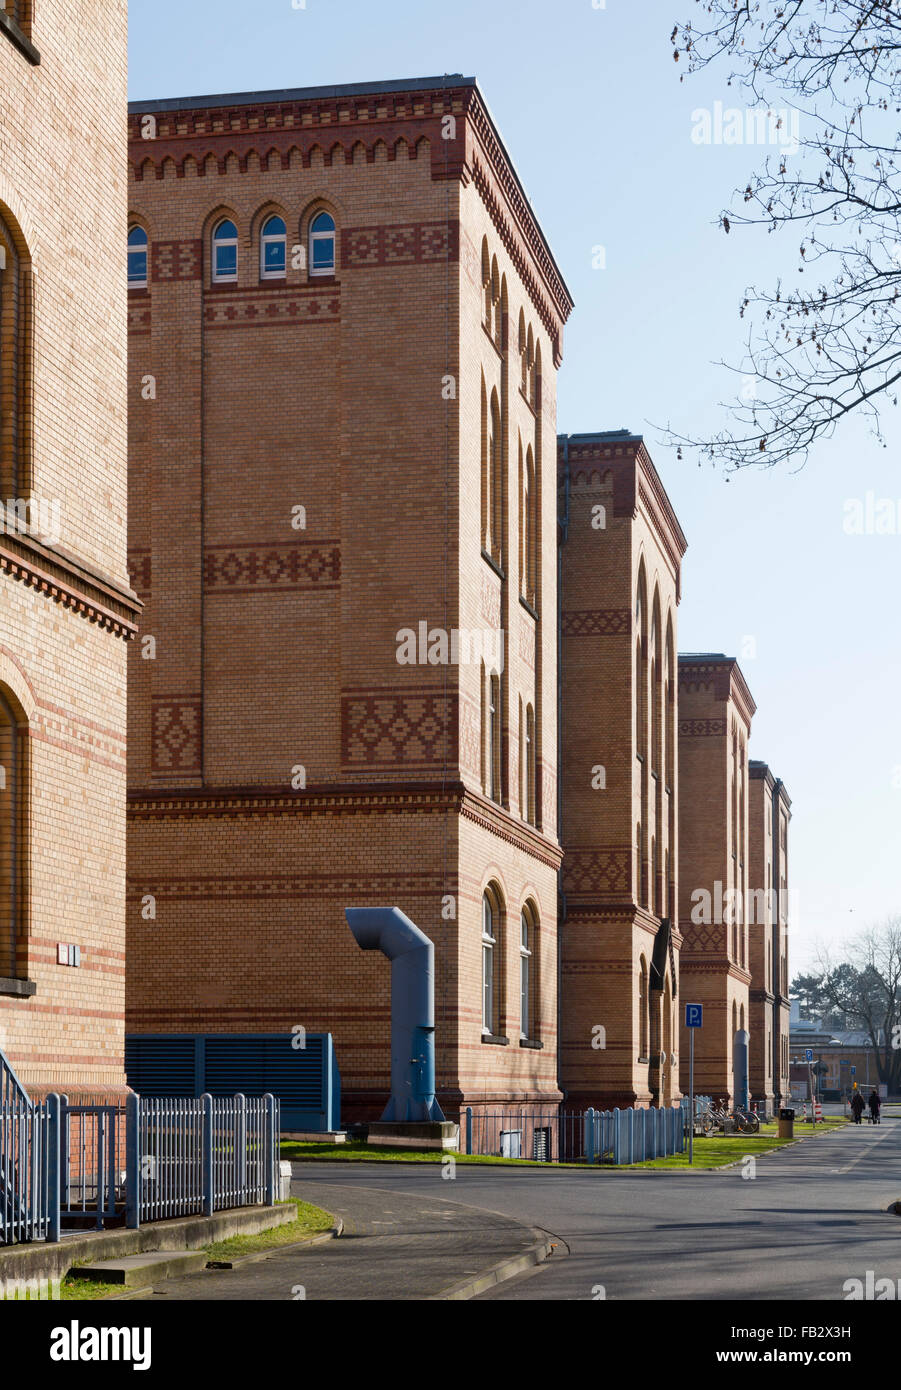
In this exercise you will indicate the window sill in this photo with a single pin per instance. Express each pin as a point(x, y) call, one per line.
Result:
point(530, 1042)
point(15, 35)
point(529, 609)
point(139, 292)
point(17, 989)
point(490, 560)
point(491, 1041)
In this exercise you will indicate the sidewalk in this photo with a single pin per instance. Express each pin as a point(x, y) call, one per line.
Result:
point(394, 1246)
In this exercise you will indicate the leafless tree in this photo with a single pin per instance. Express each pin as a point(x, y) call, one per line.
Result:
point(824, 350)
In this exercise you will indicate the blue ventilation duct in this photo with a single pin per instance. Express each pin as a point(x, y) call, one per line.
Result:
point(412, 957)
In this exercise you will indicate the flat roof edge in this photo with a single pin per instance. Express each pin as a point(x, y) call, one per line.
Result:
point(281, 94)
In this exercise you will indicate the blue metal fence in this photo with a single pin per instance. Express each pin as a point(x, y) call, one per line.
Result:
point(633, 1136)
point(29, 1163)
point(70, 1166)
point(550, 1135)
point(194, 1157)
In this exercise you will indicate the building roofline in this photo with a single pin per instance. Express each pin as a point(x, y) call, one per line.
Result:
point(403, 85)
point(283, 94)
point(726, 664)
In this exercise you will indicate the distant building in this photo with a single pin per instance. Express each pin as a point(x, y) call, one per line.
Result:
point(768, 924)
point(715, 713)
point(621, 557)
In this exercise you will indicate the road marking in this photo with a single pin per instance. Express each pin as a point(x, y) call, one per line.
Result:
point(864, 1153)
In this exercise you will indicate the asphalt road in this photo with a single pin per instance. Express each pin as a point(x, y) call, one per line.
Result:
point(814, 1216)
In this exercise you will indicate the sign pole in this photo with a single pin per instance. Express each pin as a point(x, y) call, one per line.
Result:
point(691, 1087)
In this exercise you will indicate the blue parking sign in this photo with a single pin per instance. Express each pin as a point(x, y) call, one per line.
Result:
point(810, 1054)
point(694, 1015)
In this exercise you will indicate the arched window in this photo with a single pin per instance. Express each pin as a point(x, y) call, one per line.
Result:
point(640, 692)
point(10, 860)
point(528, 972)
point(322, 244)
point(643, 1011)
point(487, 298)
point(523, 355)
point(656, 698)
point(530, 367)
point(639, 866)
point(496, 318)
point(273, 249)
point(494, 737)
point(16, 363)
point(490, 941)
point(530, 532)
point(495, 483)
point(137, 258)
point(225, 252)
point(531, 767)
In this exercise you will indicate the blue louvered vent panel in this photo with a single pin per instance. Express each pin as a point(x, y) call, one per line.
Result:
point(161, 1066)
point(305, 1080)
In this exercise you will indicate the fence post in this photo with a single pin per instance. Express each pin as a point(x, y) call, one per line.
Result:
point(133, 1175)
point(589, 1135)
point(617, 1146)
point(240, 1145)
point(271, 1149)
point(53, 1139)
point(469, 1129)
point(208, 1194)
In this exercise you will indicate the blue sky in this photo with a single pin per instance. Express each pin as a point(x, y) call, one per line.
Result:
point(591, 108)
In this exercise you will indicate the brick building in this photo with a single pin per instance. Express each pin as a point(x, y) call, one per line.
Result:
point(769, 811)
point(715, 713)
point(621, 555)
point(67, 606)
point(345, 330)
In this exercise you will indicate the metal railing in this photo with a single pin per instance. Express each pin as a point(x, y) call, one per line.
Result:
point(634, 1136)
point(549, 1135)
point(194, 1157)
point(29, 1168)
point(92, 1164)
point(72, 1166)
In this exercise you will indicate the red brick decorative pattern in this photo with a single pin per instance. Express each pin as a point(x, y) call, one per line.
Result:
point(411, 244)
point(701, 728)
point(402, 729)
point(598, 622)
point(263, 311)
point(176, 260)
point(592, 871)
point(280, 568)
point(176, 734)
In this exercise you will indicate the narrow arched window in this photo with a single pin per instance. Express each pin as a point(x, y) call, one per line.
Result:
point(225, 252)
point(643, 1012)
point(530, 531)
point(496, 483)
point(494, 737)
point(531, 767)
point(273, 249)
point(137, 258)
point(527, 973)
point(490, 925)
point(322, 244)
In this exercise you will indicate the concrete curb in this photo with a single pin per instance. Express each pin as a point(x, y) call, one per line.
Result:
point(323, 1236)
point(501, 1272)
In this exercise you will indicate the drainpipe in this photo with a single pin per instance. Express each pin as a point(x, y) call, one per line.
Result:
point(563, 535)
point(412, 957)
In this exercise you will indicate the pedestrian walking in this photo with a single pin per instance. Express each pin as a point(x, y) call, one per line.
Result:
point(875, 1107)
point(857, 1106)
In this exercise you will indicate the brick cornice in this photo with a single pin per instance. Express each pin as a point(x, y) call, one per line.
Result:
point(70, 583)
point(348, 798)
